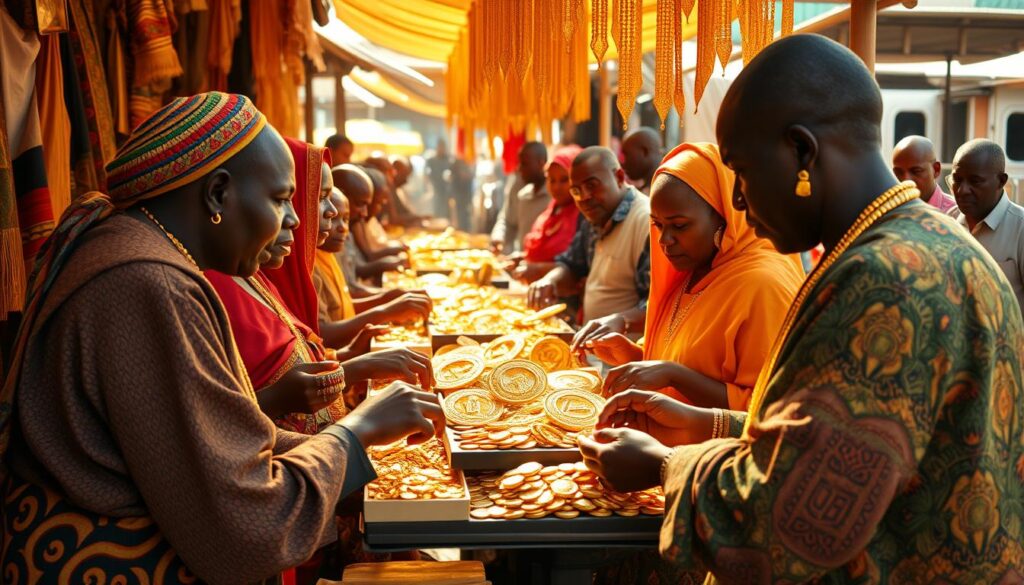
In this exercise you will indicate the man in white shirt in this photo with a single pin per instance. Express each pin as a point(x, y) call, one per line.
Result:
point(977, 182)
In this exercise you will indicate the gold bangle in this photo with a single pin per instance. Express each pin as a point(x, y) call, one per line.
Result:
point(716, 429)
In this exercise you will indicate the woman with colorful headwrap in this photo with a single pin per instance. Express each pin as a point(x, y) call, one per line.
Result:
point(718, 294)
point(554, 228)
point(130, 436)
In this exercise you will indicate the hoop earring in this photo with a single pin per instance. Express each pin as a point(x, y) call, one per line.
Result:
point(215, 220)
point(803, 184)
point(718, 237)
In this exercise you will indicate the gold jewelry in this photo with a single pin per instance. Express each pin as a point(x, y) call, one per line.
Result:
point(215, 220)
point(552, 354)
point(574, 380)
point(458, 369)
point(517, 381)
point(177, 243)
point(677, 316)
point(472, 406)
point(803, 183)
point(719, 234)
point(883, 204)
point(718, 423)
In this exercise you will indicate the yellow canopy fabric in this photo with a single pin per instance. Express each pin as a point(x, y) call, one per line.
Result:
point(371, 136)
point(384, 89)
point(429, 29)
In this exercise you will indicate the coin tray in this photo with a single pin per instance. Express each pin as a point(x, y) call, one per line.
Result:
point(438, 340)
point(503, 459)
point(426, 349)
point(417, 510)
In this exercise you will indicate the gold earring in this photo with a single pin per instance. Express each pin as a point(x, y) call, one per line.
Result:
point(803, 184)
point(718, 237)
point(215, 220)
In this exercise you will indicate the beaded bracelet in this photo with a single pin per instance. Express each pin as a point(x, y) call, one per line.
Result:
point(718, 424)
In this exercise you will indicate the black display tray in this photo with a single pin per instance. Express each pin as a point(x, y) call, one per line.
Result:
point(583, 530)
point(503, 459)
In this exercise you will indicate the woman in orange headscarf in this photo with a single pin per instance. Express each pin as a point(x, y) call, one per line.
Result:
point(718, 294)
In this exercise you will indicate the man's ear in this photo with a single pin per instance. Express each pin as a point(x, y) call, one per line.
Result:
point(216, 191)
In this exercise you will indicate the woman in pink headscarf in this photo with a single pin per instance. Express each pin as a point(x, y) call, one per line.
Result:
point(555, 227)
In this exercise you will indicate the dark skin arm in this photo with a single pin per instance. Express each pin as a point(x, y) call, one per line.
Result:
point(529, 272)
point(362, 241)
point(697, 388)
point(560, 282)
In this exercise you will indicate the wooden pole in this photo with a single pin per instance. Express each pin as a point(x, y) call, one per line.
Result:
point(863, 25)
point(308, 109)
point(604, 101)
point(340, 114)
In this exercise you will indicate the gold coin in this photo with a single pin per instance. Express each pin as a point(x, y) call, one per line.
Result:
point(517, 381)
point(499, 435)
point(530, 468)
point(532, 495)
point(466, 341)
point(574, 380)
point(584, 505)
point(546, 497)
point(552, 354)
point(652, 511)
point(471, 406)
point(515, 514)
point(511, 482)
point(567, 514)
point(496, 511)
point(600, 512)
point(626, 512)
point(488, 320)
point(457, 369)
point(574, 410)
point(545, 313)
point(536, 515)
point(556, 504)
point(503, 349)
point(480, 513)
point(564, 487)
point(445, 349)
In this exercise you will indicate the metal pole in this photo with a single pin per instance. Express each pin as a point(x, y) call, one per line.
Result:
point(863, 25)
point(604, 127)
point(947, 107)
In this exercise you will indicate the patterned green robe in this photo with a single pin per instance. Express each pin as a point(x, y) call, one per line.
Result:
point(890, 447)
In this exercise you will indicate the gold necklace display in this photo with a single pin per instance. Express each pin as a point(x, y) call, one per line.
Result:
point(883, 204)
point(177, 243)
point(628, 42)
point(599, 29)
point(664, 58)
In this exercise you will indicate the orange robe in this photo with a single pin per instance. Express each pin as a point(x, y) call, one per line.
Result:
point(727, 331)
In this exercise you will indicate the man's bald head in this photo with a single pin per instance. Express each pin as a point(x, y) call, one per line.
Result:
point(403, 169)
point(642, 151)
point(597, 155)
point(914, 159)
point(805, 103)
point(978, 178)
point(357, 187)
point(380, 190)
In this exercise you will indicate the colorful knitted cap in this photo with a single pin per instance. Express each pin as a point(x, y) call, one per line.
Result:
point(180, 143)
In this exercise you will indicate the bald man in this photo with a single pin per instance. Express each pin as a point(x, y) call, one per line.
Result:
point(883, 442)
point(522, 207)
point(642, 152)
point(610, 253)
point(978, 181)
point(914, 159)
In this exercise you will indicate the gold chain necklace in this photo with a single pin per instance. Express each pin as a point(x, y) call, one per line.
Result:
point(177, 243)
point(678, 317)
point(282, 313)
point(883, 204)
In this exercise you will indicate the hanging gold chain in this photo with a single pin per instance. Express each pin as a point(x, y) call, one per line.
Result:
point(664, 58)
point(883, 204)
point(177, 243)
point(599, 29)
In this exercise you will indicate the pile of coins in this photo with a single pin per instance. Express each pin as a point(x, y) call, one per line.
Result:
point(450, 260)
point(496, 399)
point(564, 491)
point(466, 308)
point(413, 472)
point(449, 239)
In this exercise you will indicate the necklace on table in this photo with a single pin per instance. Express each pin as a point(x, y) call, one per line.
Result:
point(883, 204)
